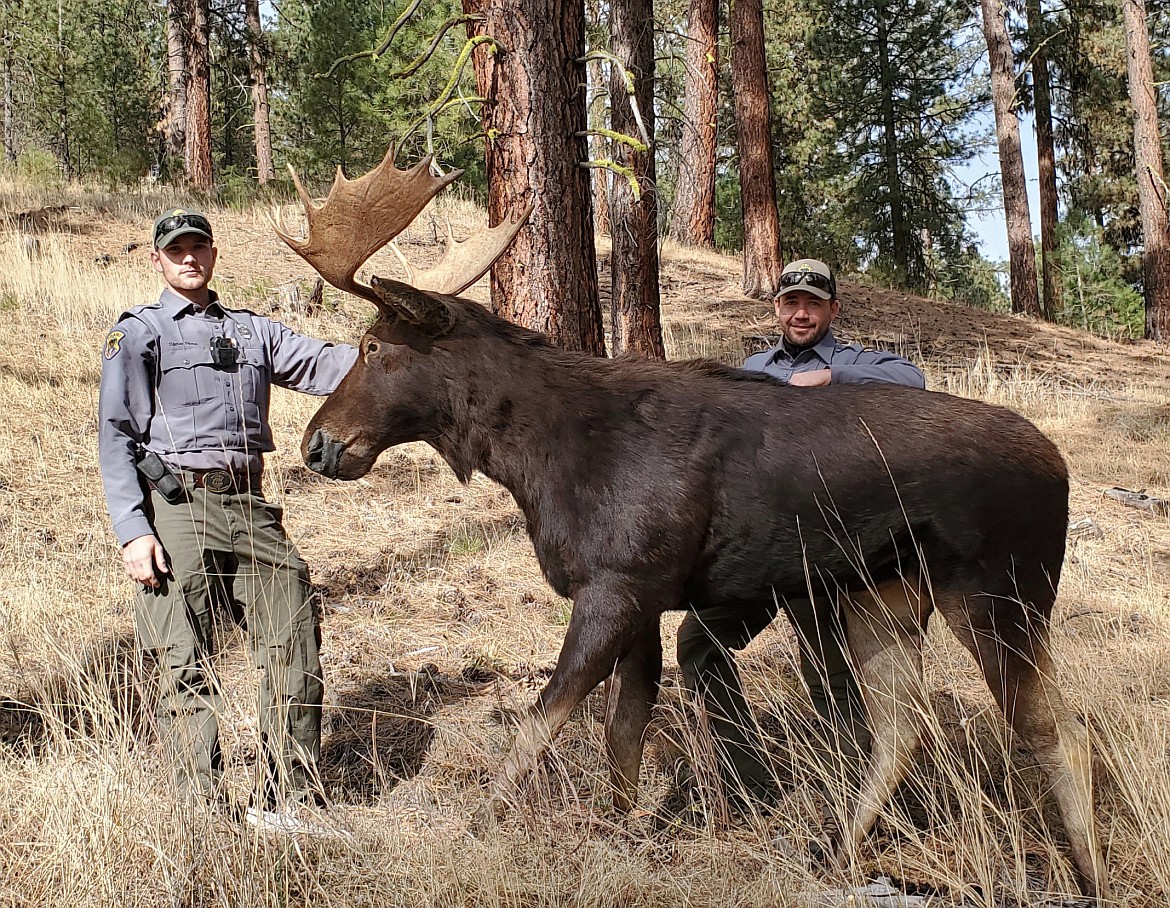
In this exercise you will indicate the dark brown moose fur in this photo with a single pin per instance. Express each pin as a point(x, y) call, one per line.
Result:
point(653, 486)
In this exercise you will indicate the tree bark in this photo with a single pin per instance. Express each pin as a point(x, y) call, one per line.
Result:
point(9, 122)
point(258, 64)
point(598, 147)
point(63, 96)
point(1147, 148)
point(753, 126)
point(899, 229)
point(178, 25)
point(692, 221)
point(1052, 301)
point(199, 98)
point(534, 123)
point(636, 323)
point(1021, 250)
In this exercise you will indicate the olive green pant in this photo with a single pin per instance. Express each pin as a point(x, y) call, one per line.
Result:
point(705, 640)
point(229, 555)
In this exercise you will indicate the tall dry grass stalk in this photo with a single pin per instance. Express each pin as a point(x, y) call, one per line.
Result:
point(439, 630)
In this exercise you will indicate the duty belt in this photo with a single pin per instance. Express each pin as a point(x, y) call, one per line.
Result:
point(224, 482)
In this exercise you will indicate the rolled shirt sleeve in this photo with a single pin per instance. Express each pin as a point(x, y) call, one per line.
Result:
point(306, 364)
point(125, 405)
point(865, 366)
point(850, 364)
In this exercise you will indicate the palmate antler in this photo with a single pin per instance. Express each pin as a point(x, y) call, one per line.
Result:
point(361, 216)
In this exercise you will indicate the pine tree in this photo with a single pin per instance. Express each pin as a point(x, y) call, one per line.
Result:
point(895, 96)
point(753, 128)
point(1021, 251)
point(1150, 179)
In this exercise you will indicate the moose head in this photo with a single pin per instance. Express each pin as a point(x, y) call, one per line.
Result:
point(358, 218)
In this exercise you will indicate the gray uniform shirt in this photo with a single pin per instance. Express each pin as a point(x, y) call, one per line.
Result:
point(161, 391)
point(850, 363)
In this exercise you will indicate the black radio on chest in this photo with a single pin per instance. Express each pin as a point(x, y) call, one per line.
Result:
point(224, 351)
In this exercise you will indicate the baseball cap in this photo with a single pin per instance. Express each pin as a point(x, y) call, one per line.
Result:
point(175, 223)
point(810, 275)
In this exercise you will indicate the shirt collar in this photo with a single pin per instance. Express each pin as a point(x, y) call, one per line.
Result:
point(174, 305)
point(824, 349)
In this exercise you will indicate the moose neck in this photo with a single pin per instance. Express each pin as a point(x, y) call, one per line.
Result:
point(521, 415)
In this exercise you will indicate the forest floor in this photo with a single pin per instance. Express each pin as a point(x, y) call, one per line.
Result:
point(439, 630)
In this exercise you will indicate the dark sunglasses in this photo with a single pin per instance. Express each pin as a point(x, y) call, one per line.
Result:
point(180, 221)
point(812, 278)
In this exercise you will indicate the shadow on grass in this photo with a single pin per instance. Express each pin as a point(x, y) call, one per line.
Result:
point(99, 695)
point(378, 735)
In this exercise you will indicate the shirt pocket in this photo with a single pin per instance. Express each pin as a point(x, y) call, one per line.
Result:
point(254, 381)
point(187, 377)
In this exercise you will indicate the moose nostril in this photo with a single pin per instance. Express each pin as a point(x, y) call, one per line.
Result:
point(324, 455)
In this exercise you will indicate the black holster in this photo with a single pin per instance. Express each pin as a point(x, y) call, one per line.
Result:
point(160, 477)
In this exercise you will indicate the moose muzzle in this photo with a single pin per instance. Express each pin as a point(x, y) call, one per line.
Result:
point(323, 454)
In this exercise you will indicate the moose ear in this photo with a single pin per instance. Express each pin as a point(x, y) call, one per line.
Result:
point(421, 315)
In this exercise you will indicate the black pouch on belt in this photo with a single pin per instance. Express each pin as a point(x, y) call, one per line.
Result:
point(166, 483)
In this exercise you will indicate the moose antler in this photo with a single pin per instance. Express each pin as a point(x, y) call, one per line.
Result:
point(464, 261)
point(361, 216)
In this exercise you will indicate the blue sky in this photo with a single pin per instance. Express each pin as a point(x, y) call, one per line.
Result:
point(990, 226)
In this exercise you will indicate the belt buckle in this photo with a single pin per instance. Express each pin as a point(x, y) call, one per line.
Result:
point(218, 481)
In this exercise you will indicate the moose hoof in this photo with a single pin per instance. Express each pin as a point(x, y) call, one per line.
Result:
point(820, 853)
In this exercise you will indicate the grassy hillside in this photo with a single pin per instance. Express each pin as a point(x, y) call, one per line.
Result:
point(439, 629)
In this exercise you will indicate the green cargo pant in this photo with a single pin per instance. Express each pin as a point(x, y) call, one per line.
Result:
point(225, 552)
point(705, 640)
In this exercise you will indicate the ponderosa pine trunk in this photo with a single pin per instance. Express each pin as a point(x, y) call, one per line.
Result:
point(1021, 250)
point(899, 228)
point(534, 123)
point(199, 98)
point(598, 120)
point(1147, 148)
point(636, 321)
point(178, 75)
point(753, 125)
point(62, 86)
point(9, 120)
point(258, 66)
point(1051, 279)
point(598, 146)
point(692, 221)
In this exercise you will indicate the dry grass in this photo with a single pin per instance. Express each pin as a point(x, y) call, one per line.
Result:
point(439, 629)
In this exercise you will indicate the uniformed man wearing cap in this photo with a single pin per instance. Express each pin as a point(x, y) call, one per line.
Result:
point(807, 355)
point(183, 430)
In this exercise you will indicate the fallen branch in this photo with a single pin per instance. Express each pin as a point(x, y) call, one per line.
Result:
point(1141, 500)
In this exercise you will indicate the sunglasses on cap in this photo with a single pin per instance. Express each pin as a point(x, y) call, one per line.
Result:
point(181, 222)
point(812, 278)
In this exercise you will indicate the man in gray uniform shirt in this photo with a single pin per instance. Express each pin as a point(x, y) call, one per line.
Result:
point(808, 355)
point(182, 432)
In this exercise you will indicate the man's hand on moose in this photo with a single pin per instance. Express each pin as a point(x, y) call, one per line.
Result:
point(145, 561)
point(815, 379)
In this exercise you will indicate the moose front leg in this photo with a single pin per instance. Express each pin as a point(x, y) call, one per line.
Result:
point(630, 696)
point(601, 633)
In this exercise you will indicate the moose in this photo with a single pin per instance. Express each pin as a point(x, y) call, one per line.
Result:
point(650, 486)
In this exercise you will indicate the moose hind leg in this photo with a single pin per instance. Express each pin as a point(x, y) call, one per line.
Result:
point(601, 632)
point(1012, 650)
point(630, 697)
point(885, 642)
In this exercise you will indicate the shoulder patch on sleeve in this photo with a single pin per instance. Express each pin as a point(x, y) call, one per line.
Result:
point(113, 343)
